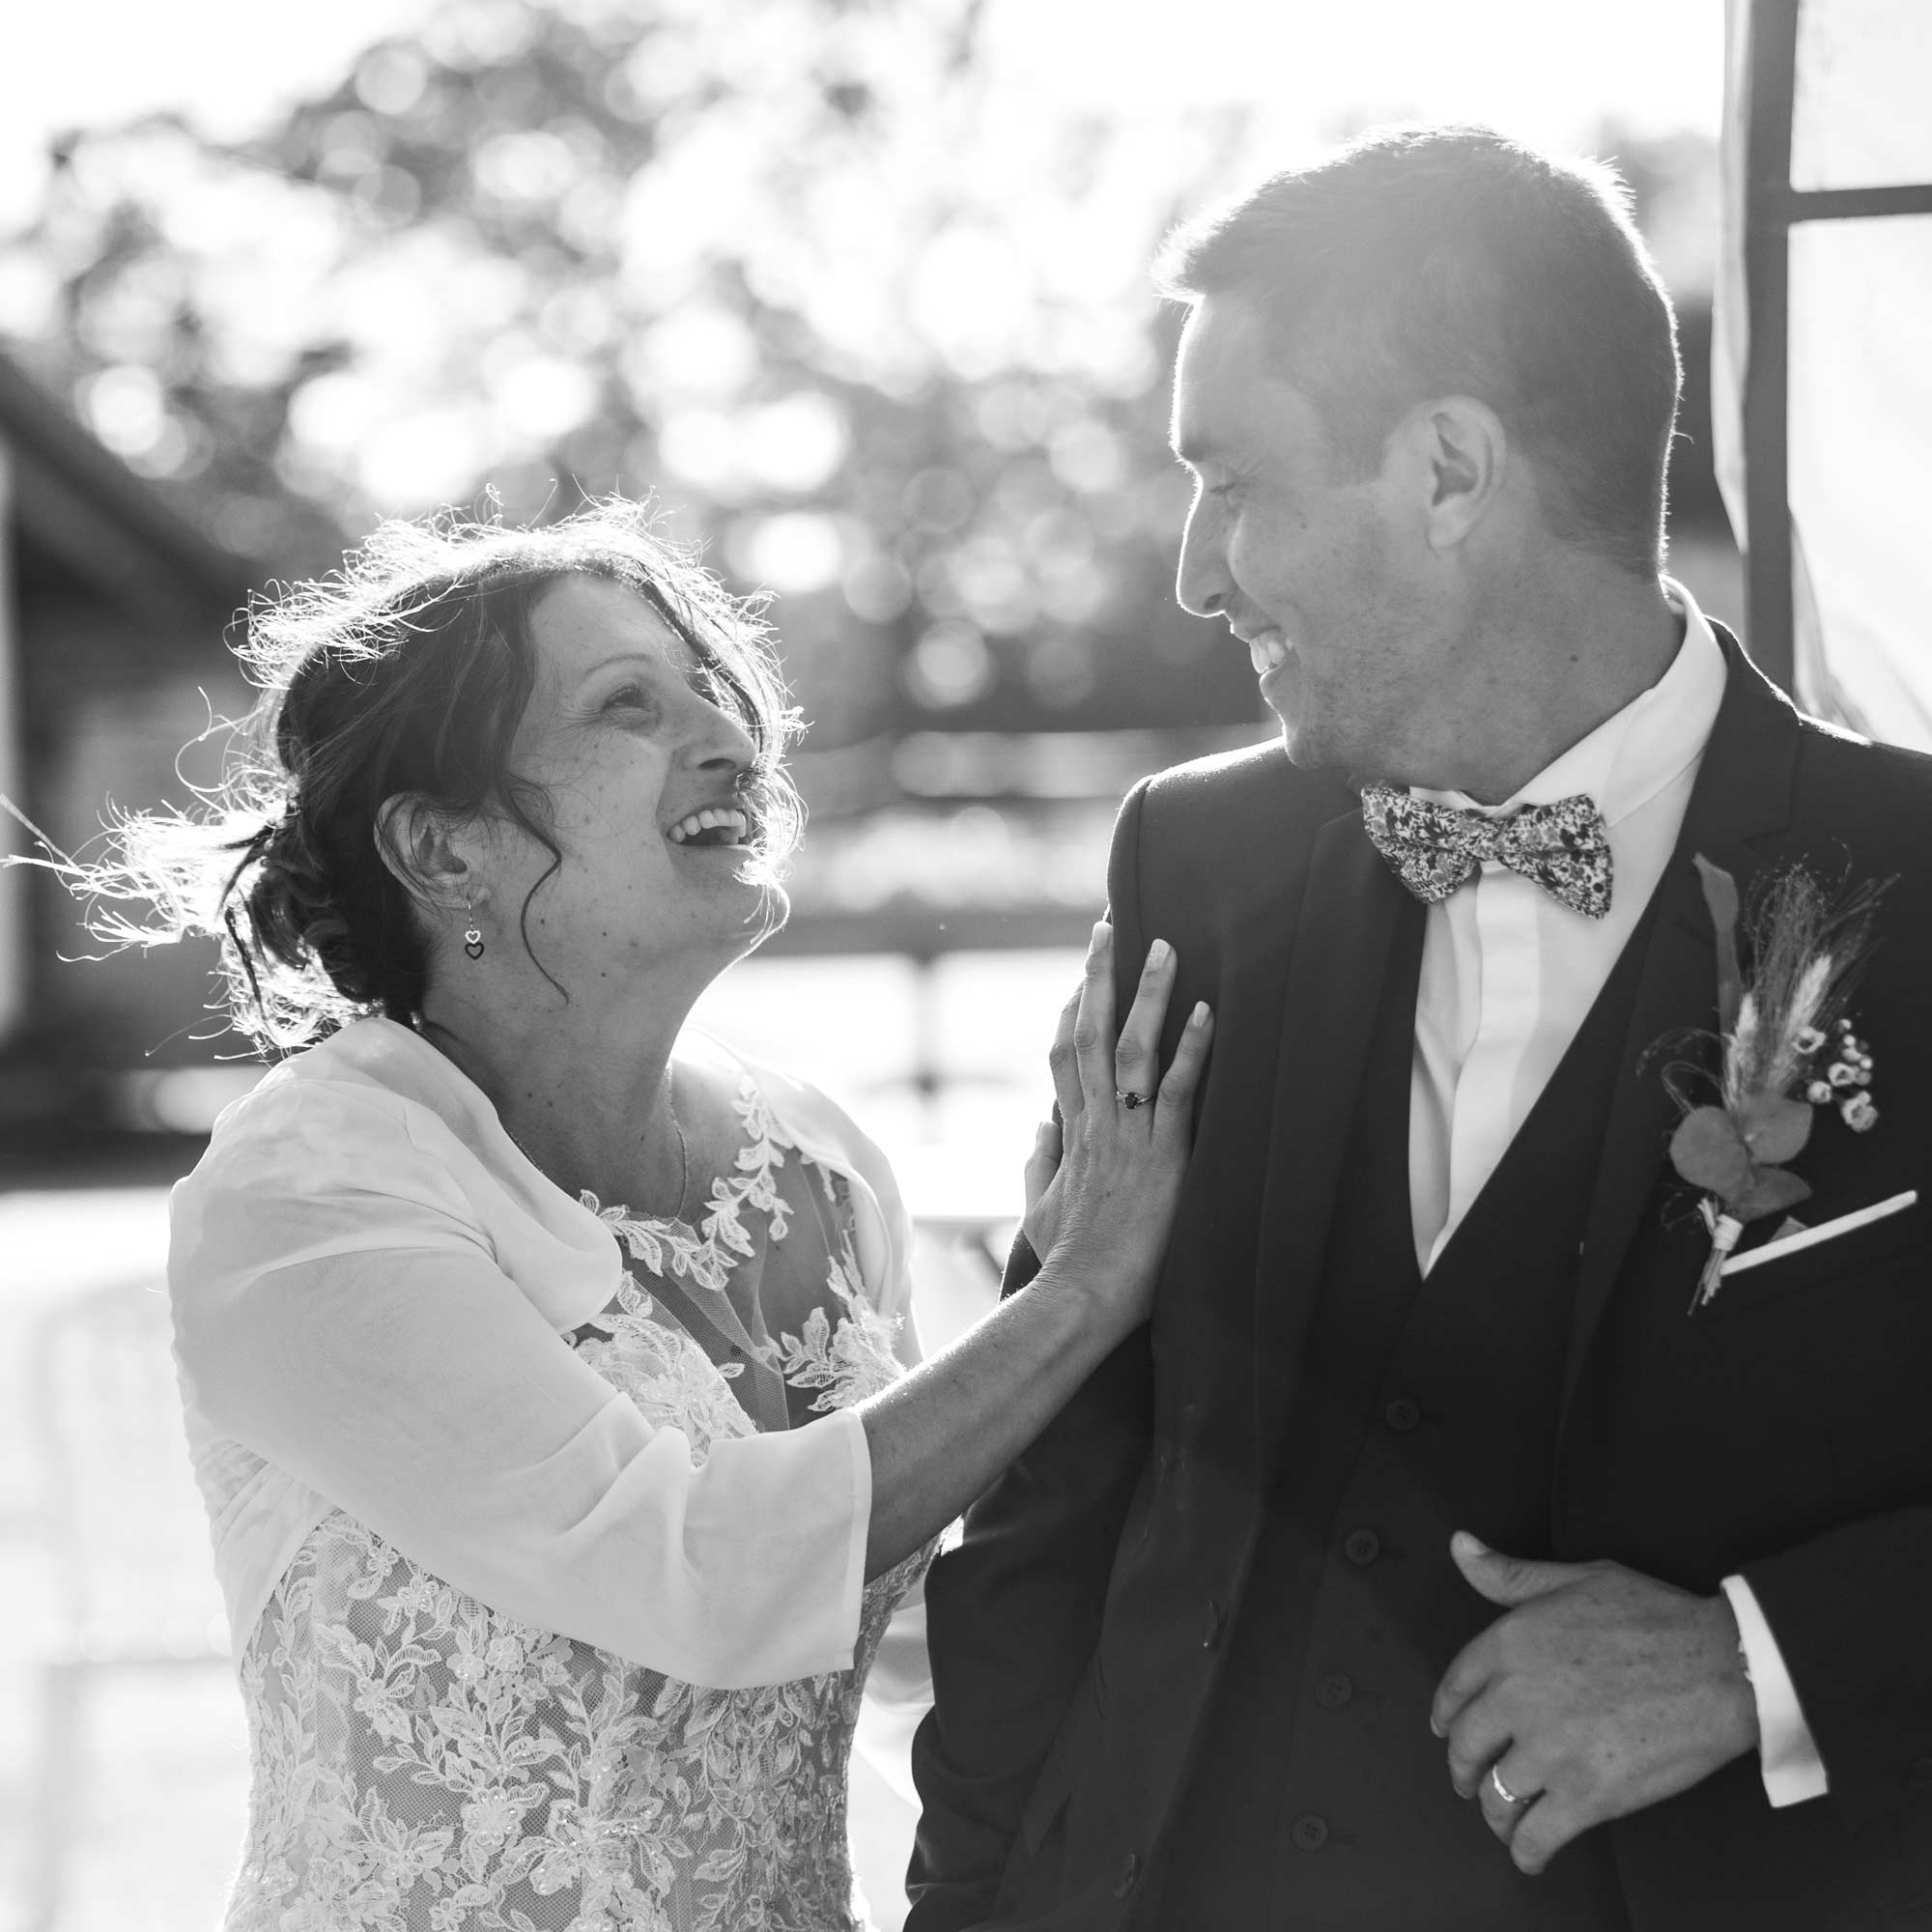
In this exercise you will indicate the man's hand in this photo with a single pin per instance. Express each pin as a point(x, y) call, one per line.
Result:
point(1600, 1692)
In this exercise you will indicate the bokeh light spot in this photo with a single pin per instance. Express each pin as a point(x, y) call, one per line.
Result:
point(791, 554)
point(937, 499)
point(126, 409)
point(798, 443)
point(877, 588)
point(1060, 670)
point(948, 667)
point(697, 352)
point(390, 79)
point(1087, 456)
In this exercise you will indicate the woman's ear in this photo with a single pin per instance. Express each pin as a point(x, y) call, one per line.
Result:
point(416, 843)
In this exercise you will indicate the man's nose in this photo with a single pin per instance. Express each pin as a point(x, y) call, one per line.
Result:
point(1202, 584)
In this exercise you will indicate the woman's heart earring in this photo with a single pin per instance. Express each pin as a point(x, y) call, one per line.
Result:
point(473, 939)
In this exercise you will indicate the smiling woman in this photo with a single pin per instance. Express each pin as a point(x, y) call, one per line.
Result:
point(548, 1373)
point(464, 668)
point(647, 752)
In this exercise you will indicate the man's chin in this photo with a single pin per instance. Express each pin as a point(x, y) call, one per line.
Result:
point(1310, 749)
point(1307, 736)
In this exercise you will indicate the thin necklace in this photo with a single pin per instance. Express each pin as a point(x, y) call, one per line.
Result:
point(683, 1153)
point(671, 1099)
point(683, 1157)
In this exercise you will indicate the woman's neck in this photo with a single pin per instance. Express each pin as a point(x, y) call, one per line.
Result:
point(588, 1098)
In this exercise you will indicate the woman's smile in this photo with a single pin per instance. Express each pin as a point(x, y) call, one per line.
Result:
point(713, 828)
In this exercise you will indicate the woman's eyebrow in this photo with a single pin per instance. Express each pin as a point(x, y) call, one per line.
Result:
point(648, 659)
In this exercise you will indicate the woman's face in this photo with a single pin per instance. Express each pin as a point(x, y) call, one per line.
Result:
point(642, 771)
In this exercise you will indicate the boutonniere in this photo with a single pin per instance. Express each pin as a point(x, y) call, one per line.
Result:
point(1786, 1048)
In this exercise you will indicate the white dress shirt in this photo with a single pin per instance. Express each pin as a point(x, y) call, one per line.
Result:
point(1508, 974)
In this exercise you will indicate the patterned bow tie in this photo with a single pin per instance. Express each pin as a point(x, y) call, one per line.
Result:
point(1434, 848)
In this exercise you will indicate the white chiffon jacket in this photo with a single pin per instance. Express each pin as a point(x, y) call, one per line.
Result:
point(372, 1287)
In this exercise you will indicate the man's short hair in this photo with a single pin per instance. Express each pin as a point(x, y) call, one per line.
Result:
point(1424, 261)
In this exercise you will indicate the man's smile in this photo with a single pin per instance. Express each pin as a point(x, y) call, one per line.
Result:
point(1268, 650)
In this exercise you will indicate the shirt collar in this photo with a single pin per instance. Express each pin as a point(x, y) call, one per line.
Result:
point(1635, 752)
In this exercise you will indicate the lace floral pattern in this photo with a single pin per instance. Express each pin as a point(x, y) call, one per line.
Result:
point(423, 1764)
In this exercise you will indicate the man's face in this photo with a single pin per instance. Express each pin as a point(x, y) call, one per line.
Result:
point(1322, 581)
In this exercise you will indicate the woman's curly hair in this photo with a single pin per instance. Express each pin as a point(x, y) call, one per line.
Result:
point(409, 670)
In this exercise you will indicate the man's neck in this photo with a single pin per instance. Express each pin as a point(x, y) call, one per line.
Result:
point(1555, 670)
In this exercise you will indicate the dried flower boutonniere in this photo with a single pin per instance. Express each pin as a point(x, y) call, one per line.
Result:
point(1785, 1047)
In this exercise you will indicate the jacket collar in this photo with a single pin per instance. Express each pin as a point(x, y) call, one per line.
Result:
point(1742, 799)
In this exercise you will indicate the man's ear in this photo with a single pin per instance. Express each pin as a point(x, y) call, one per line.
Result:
point(416, 843)
point(1458, 456)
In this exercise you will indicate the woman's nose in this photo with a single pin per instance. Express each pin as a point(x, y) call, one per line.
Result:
point(716, 737)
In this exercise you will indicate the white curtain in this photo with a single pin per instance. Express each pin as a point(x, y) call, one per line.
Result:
point(15, 907)
point(1859, 389)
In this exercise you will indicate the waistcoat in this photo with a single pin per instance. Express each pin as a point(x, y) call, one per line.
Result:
point(1318, 1796)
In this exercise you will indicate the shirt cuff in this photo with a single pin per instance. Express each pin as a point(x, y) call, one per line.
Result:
point(1787, 1757)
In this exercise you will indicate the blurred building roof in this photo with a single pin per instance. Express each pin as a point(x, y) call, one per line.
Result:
point(84, 523)
point(109, 649)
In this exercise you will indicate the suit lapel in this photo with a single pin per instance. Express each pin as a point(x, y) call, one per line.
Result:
point(1352, 912)
point(1743, 795)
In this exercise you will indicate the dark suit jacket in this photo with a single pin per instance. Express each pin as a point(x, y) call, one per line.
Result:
point(1785, 1432)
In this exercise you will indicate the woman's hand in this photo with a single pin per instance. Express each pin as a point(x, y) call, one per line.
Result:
point(1101, 1186)
point(1100, 1195)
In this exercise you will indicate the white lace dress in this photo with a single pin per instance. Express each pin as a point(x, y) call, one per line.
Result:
point(423, 1763)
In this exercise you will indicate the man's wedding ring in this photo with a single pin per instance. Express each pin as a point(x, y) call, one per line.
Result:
point(1502, 1790)
point(1131, 1100)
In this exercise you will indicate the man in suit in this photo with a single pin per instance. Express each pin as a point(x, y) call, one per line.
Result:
point(1221, 1650)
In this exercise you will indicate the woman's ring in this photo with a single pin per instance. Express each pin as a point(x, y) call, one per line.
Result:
point(1502, 1790)
point(1131, 1100)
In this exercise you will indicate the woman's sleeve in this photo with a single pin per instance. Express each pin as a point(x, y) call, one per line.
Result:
point(339, 1314)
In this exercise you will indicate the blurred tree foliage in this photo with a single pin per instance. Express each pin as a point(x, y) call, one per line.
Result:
point(872, 323)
